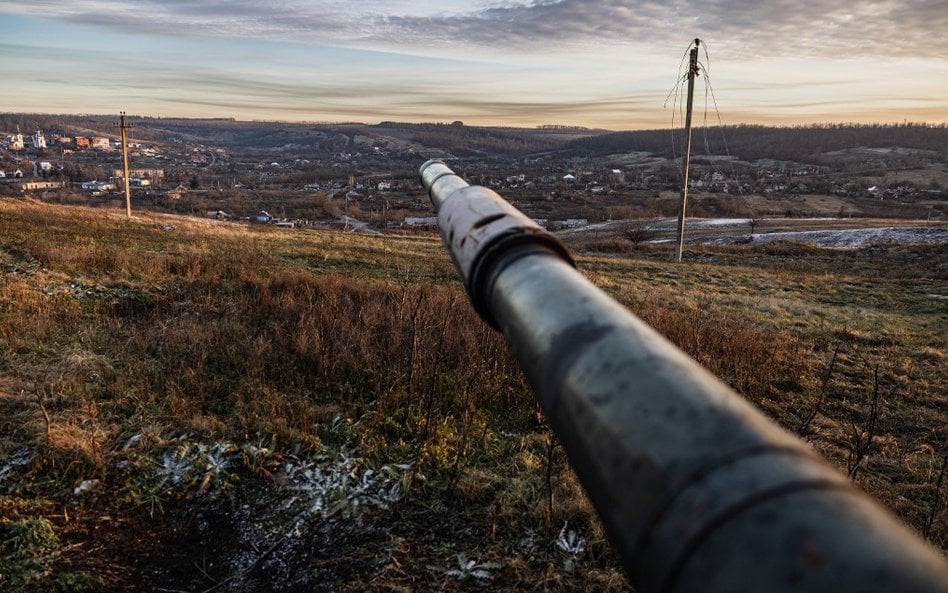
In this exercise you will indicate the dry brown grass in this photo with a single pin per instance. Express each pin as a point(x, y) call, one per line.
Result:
point(160, 326)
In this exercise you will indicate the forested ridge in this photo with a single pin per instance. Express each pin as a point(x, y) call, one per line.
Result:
point(751, 142)
point(472, 140)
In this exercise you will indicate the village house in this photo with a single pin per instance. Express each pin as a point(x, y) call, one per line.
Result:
point(421, 221)
point(98, 185)
point(177, 193)
point(153, 174)
point(572, 223)
point(35, 185)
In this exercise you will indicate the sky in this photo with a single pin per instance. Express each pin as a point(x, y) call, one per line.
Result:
point(597, 63)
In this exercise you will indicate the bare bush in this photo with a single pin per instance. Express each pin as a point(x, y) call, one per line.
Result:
point(637, 233)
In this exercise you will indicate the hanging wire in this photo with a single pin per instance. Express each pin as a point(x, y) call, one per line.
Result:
point(681, 77)
point(682, 117)
point(678, 105)
point(704, 122)
point(709, 89)
point(727, 150)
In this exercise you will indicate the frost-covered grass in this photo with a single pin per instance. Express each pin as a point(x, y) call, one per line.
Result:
point(843, 238)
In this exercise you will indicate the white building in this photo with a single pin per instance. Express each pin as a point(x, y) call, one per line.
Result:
point(35, 185)
point(153, 174)
point(39, 141)
point(574, 223)
point(101, 143)
point(424, 221)
point(98, 185)
point(16, 141)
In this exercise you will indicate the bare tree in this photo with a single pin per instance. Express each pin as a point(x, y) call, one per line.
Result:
point(862, 433)
point(638, 232)
point(808, 419)
point(752, 222)
point(937, 499)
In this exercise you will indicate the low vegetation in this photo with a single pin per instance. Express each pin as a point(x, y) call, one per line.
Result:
point(198, 406)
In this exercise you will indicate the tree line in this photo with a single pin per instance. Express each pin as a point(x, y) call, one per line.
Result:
point(751, 142)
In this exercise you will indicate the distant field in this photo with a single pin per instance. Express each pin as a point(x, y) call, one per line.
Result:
point(840, 233)
point(188, 405)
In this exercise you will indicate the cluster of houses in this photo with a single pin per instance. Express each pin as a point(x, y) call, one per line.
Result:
point(136, 177)
point(38, 141)
point(356, 186)
point(263, 217)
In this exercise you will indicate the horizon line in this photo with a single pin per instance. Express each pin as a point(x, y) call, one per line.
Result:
point(551, 126)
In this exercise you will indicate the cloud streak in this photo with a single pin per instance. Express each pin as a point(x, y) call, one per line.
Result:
point(747, 27)
point(589, 62)
point(306, 96)
point(894, 28)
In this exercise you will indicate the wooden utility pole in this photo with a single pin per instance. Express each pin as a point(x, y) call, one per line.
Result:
point(128, 192)
point(686, 160)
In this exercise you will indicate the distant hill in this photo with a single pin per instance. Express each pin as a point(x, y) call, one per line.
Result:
point(751, 142)
point(474, 140)
point(456, 137)
point(747, 142)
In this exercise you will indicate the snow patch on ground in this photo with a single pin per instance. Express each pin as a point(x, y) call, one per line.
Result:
point(845, 238)
point(718, 222)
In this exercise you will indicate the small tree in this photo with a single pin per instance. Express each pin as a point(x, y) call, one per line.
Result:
point(195, 183)
point(637, 232)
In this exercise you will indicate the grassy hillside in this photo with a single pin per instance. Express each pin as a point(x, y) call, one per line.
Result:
point(198, 406)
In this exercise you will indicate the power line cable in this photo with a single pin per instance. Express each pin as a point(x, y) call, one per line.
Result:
point(709, 89)
point(678, 105)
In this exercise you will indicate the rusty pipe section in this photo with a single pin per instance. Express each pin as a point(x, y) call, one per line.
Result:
point(698, 490)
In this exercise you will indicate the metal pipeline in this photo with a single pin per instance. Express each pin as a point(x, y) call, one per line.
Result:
point(697, 489)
